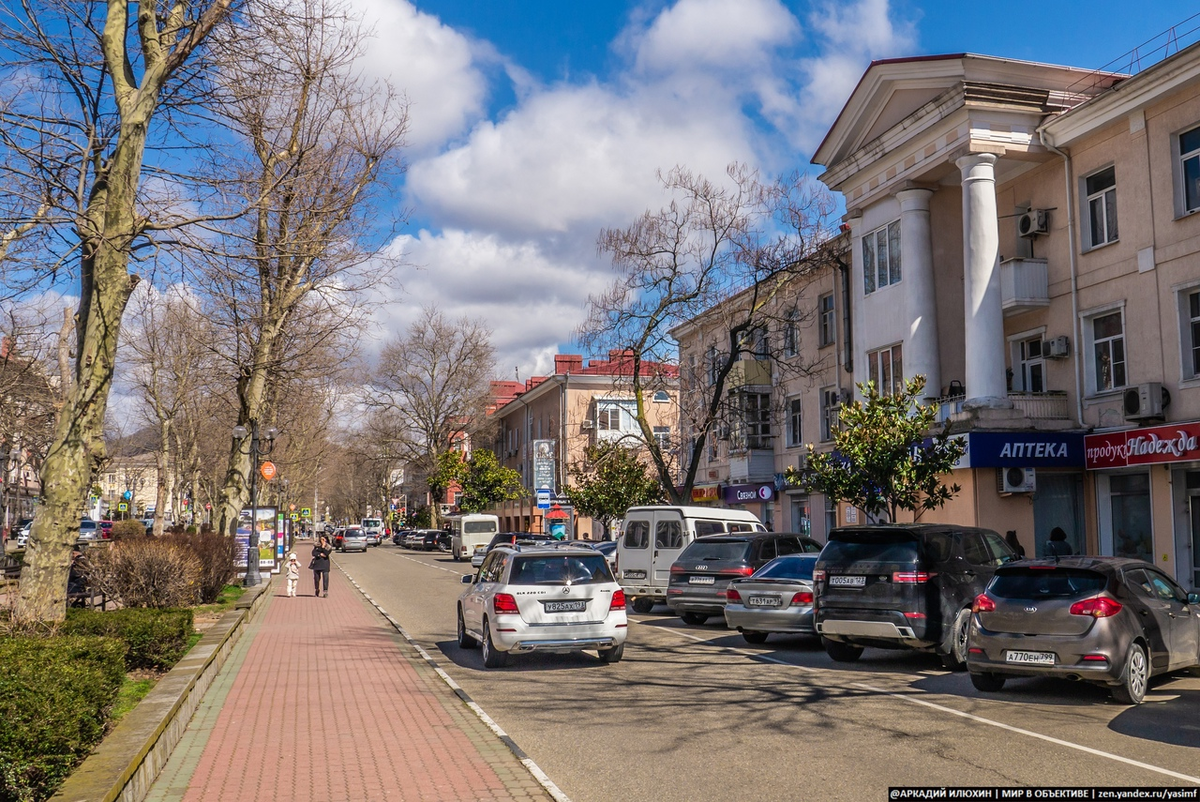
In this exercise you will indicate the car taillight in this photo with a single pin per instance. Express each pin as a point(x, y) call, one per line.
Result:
point(819, 575)
point(910, 577)
point(678, 569)
point(1099, 607)
point(803, 597)
point(504, 603)
point(741, 570)
point(983, 604)
point(618, 600)
point(731, 595)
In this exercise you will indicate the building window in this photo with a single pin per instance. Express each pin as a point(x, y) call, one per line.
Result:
point(791, 333)
point(1129, 497)
point(662, 436)
point(885, 368)
point(881, 257)
point(1190, 312)
point(1189, 169)
point(756, 343)
point(1033, 365)
point(1101, 190)
point(827, 323)
point(1108, 351)
point(662, 397)
point(830, 410)
point(754, 424)
point(795, 435)
point(714, 367)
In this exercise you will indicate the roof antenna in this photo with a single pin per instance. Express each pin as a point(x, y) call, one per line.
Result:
point(517, 373)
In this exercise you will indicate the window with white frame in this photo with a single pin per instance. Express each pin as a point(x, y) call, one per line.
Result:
point(662, 397)
point(885, 368)
point(827, 322)
point(1106, 332)
point(830, 410)
point(615, 418)
point(1189, 170)
point(791, 333)
point(752, 427)
point(1189, 308)
point(1031, 353)
point(795, 436)
point(1101, 189)
point(662, 436)
point(881, 257)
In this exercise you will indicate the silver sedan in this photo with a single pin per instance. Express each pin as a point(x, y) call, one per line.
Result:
point(777, 598)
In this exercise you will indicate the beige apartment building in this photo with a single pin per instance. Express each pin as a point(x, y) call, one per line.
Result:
point(545, 425)
point(1025, 236)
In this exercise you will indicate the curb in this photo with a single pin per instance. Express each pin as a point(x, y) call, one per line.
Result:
point(534, 770)
point(129, 759)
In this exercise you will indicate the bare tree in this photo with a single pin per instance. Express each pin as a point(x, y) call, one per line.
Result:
point(435, 385)
point(89, 80)
point(318, 142)
point(745, 240)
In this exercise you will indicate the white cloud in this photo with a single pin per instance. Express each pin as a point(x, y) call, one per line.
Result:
point(433, 65)
point(696, 35)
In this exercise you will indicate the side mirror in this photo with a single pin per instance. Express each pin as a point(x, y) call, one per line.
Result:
point(468, 579)
point(1193, 598)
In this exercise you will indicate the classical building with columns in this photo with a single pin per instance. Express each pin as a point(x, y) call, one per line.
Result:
point(1024, 235)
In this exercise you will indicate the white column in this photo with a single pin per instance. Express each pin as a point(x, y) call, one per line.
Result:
point(984, 316)
point(916, 258)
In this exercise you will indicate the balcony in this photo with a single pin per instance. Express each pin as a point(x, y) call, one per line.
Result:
point(752, 465)
point(1024, 285)
point(749, 373)
point(1048, 406)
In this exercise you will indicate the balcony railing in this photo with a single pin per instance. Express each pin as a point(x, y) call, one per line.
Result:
point(1035, 406)
point(1024, 285)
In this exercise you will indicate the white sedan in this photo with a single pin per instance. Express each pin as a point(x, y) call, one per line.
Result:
point(542, 598)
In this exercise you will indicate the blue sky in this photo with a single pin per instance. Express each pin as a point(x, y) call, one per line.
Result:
point(534, 124)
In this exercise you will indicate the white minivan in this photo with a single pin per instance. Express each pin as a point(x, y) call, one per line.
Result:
point(652, 538)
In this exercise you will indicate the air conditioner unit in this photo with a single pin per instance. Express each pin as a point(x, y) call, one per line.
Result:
point(588, 424)
point(845, 395)
point(1033, 222)
point(1145, 401)
point(1058, 348)
point(1016, 480)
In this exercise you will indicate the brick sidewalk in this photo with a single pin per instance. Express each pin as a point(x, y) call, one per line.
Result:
point(323, 700)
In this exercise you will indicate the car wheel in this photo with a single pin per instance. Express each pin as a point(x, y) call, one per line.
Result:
point(643, 604)
point(465, 641)
point(456, 558)
point(755, 637)
point(694, 619)
point(492, 658)
point(1135, 678)
point(988, 683)
point(954, 648)
point(612, 655)
point(841, 652)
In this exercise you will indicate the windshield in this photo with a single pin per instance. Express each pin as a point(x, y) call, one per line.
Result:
point(372, 522)
point(478, 527)
point(788, 568)
point(1041, 583)
point(887, 546)
point(717, 550)
point(576, 569)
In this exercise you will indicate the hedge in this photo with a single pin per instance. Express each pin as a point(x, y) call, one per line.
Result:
point(55, 694)
point(156, 638)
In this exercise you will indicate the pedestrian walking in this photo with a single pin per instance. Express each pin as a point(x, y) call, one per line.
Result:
point(320, 566)
point(293, 573)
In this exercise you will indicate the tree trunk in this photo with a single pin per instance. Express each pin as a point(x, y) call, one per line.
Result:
point(162, 462)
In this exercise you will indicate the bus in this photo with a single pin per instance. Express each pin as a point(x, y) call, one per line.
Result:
point(469, 531)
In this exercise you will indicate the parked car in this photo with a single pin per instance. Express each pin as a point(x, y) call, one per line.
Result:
point(427, 540)
point(609, 549)
point(777, 598)
point(699, 578)
point(373, 529)
point(903, 586)
point(353, 538)
point(89, 530)
point(653, 537)
point(106, 530)
point(399, 535)
point(1108, 620)
point(23, 534)
point(413, 538)
point(510, 539)
point(542, 598)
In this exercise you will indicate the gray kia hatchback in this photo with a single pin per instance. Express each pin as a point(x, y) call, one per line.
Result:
point(903, 586)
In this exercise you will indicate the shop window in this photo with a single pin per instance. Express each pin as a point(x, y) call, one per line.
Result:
point(1129, 496)
point(885, 368)
point(1101, 218)
point(881, 257)
point(802, 515)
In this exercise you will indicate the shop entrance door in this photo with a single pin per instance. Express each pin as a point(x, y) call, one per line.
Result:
point(1194, 524)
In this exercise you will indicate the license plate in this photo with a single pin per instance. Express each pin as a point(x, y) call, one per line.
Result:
point(847, 581)
point(635, 574)
point(575, 606)
point(763, 601)
point(1030, 658)
point(701, 580)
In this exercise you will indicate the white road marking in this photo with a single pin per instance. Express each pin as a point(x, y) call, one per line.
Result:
point(911, 699)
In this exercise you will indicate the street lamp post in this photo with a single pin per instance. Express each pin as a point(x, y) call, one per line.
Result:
point(287, 517)
point(11, 472)
point(256, 450)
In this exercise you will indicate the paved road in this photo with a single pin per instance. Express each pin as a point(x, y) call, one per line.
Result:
point(695, 712)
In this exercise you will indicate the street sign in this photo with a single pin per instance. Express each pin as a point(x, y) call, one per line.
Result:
point(267, 469)
point(306, 512)
point(122, 506)
point(128, 494)
point(291, 508)
point(208, 505)
point(294, 516)
point(543, 499)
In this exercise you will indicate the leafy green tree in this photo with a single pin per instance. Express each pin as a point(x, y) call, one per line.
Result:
point(449, 469)
point(486, 483)
point(611, 480)
point(889, 455)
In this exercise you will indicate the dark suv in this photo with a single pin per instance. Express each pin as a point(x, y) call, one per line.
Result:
point(701, 575)
point(903, 586)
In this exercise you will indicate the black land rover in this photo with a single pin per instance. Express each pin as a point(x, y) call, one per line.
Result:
point(903, 586)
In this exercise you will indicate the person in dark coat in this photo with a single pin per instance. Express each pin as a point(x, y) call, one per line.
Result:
point(320, 566)
point(1010, 537)
point(1058, 545)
